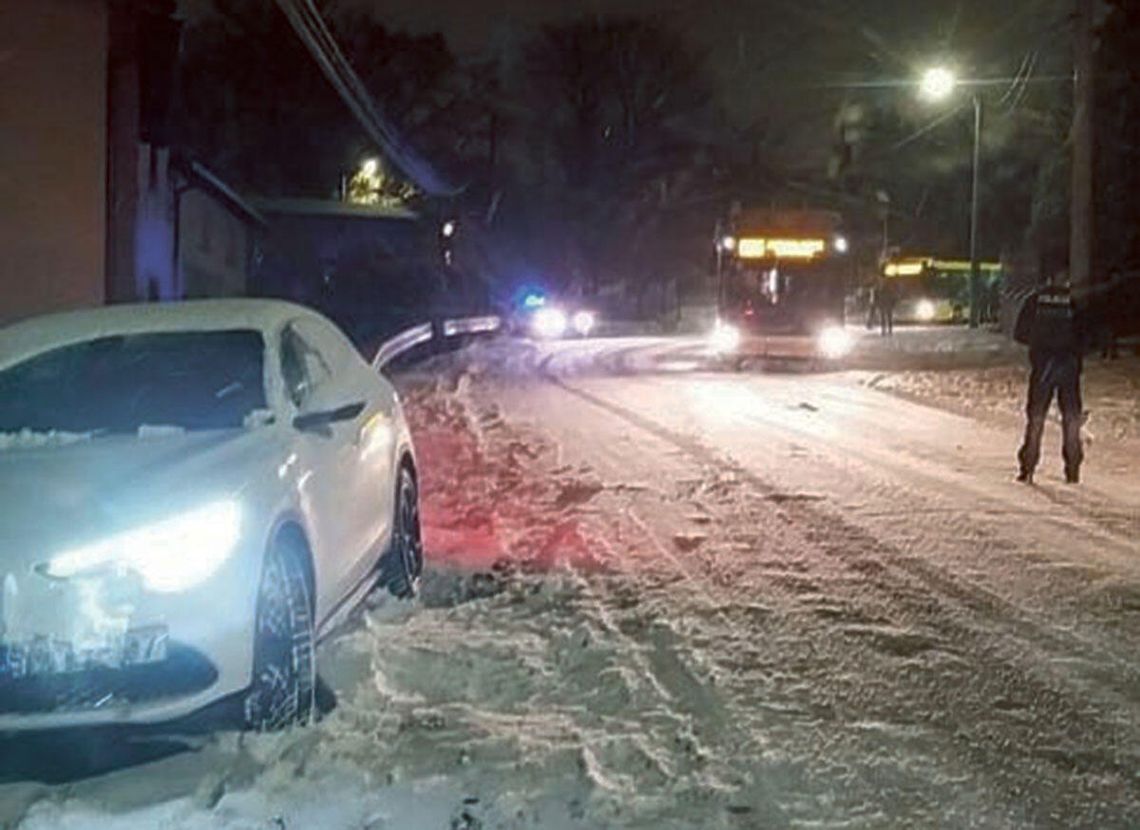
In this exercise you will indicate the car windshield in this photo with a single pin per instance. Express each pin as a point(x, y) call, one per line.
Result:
point(121, 383)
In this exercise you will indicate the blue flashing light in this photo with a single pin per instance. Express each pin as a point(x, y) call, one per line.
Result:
point(534, 300)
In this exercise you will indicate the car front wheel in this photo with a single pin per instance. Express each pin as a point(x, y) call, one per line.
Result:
point(282, 691)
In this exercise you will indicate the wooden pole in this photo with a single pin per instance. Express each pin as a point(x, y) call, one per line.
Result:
point(1081, 210)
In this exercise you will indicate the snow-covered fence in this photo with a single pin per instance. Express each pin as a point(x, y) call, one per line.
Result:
point(409, 338)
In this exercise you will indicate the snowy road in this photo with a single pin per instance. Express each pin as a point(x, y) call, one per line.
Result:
point(666, 597)
point(873, 596)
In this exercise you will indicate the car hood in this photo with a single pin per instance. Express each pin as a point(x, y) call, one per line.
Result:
point(61, 496)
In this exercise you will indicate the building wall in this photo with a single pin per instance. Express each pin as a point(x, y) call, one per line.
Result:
point(215, 247)
point(154, 226)
point(53, 93)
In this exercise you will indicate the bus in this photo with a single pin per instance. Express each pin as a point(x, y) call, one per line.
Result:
point(782, 279)
point(932, 290)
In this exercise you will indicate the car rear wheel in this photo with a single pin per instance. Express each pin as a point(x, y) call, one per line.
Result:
point(403, 563)
point(282, 692)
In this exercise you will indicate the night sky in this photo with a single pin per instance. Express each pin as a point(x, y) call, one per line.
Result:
point(785, 65)
point(472, 25)
point(881, 29)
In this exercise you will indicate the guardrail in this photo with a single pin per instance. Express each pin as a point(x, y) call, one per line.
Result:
point(409, 338)
point(471, 325)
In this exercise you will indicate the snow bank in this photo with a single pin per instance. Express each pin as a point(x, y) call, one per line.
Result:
point(1111, 395)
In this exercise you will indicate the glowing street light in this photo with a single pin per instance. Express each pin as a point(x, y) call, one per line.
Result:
point(370, 167)
point(937, 83)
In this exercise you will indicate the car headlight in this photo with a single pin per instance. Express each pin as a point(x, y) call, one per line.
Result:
point(583, 322)
point(171, 555)
point(925, 310)
point(834, 342)
point(725, 338)
point(550, 322)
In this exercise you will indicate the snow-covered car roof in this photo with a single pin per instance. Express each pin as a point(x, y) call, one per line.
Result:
point(38, 334)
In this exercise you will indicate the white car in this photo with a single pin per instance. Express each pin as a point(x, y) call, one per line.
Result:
point(191, 495)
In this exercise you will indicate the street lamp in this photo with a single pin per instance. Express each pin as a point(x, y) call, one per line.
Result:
point(938, 84)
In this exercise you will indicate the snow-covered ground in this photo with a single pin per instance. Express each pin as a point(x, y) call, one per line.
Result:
point(997, 393)
point(662, 597)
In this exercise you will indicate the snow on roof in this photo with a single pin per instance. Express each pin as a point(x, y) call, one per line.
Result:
point(37, 334)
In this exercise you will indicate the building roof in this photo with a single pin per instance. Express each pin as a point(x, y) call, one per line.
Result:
point(206, 179)
point(333, 208)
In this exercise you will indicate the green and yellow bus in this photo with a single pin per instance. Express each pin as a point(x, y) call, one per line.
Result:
point(932, 290)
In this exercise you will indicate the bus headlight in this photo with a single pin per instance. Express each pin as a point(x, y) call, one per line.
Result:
point(834, 342)
point(925, 311)
point(724, 338)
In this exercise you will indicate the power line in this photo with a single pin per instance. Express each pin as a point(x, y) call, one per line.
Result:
point(311, 28)
point(919, 133)
point(329, 55)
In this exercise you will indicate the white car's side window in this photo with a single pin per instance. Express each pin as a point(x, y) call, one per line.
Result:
point(303, 368)
point(333, 346)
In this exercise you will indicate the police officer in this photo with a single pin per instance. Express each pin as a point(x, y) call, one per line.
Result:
point(1049, 323)
point(887, 297)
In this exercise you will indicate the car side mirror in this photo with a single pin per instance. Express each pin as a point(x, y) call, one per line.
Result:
point(321, 419)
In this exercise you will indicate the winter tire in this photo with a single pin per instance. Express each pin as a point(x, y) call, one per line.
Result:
point(403, 563)
point(282, 691)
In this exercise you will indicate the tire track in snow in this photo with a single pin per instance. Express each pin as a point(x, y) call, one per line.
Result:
point(680, 698)
point(977, 597)
point(864, 554)
point(772, 717)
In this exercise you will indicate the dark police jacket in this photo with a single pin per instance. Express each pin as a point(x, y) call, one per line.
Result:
point(1050, 324)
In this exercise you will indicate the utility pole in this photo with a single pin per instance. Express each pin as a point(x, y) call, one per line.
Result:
point(975, 268)
point(1081, 210)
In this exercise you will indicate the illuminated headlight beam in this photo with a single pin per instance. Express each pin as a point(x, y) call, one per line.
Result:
point(172, 555)
point(583, 322)
point(724, 338)
point(550, 323)
point(834, 342)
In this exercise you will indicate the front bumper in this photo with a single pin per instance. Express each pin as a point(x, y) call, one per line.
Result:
point(183, 672)
point(779, 347)
point(207, 653)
